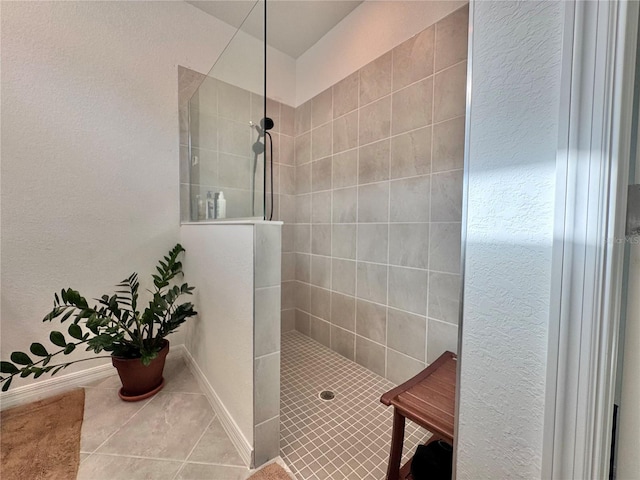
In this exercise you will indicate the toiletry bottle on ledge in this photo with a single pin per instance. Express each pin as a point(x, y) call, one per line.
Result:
point(200, 205)
point(221, 206)
point(211, 209)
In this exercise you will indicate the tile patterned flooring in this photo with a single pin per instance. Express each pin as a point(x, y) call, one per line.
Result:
point(175, 435)
point(345, 438)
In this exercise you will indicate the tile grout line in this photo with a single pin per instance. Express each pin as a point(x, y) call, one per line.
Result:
point(123, 424)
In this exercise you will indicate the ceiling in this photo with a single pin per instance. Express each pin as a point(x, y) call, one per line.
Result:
point(293, 26)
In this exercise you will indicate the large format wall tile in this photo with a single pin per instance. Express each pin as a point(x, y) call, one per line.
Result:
point(322, 108)
point(375, 79)
point(321, 207)
point(375, 121)
point(373, 162)
point(345, 95)
point(372, 282)
point(400, 367)
point(407, 333)
point(412, 107)
point(345, 132)
point(413, 59)
point(371, 321)
point(409, 244)
point(373, 242)
point(410, 199)
point(451, 38)
point(370, 355)
point(345, 169)
point(411, 153)
point(450, 91)
point(448, 145)
point(373, 202)
point(408, 289)
point(343, 276)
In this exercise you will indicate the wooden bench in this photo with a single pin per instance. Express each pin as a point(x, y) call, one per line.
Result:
point(428, 399)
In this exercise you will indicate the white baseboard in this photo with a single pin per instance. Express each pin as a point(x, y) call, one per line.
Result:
point(230, 426)
point(62, 383)
point(53, 386)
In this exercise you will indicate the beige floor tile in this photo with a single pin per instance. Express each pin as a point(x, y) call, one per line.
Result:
point(216, 447)
point(111, 381)
point(168, 427)
point(178, 377)
point(104, 413)
point(112, 467)
point(198, 471)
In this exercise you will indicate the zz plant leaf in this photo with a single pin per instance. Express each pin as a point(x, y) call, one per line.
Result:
point(114, 324)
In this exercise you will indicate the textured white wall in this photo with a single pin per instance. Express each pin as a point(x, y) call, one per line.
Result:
point(90, 146)
point(221, 339)
point(512, 149)
point(372, 29)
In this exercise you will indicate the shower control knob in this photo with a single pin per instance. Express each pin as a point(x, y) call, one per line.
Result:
point(266, 123)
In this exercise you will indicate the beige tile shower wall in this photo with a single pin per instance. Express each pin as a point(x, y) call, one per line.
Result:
point(378, 184)
point(284, 200)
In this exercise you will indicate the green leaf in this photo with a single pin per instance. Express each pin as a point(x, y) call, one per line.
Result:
point(6, 384)
point(8, 367)
point(75, 331)
point(57, 338)
point(46, 361)
point(66, 316)
point(38, 349)
point(21, 358)
point(69, 348)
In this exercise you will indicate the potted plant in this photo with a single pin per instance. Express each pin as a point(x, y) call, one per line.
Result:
point(136, 340)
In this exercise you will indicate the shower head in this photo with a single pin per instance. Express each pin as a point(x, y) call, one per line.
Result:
point(258, 147)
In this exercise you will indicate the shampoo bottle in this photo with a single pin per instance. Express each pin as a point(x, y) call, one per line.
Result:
point(211, 210)
point(200, 207)
point(221, 206)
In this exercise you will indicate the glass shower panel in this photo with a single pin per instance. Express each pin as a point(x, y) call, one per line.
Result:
point(226, 148)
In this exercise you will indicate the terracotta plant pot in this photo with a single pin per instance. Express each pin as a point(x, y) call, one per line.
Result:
point(139, 381)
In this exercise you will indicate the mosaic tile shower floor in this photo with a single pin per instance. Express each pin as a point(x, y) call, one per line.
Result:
point(344, 438)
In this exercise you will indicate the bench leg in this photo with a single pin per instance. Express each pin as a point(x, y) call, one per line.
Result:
point(397, 439)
